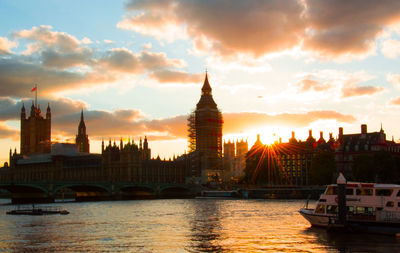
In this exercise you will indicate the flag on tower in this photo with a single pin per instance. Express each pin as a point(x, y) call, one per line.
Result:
point(34, 89)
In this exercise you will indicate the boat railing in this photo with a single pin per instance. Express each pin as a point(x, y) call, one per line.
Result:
point(388, 216)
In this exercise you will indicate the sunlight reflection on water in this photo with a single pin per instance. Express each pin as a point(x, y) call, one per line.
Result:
point(192, 225)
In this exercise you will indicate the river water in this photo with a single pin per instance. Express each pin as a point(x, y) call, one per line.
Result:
point(179, 225)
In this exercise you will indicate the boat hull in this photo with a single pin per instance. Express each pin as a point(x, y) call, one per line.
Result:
point(317, 220)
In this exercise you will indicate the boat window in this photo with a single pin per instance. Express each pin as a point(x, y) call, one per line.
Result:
point(350, 209)
point(383, 192)
point(332, 190)
point(365, 191)
point(349, 191)
point(398, 194)
point(398, 204)
point(322, 200)
point(390, 204)
point(364, 210)
point(331, 209)
point(320, 209)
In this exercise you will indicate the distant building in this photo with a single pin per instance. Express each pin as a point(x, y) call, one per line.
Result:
point(351, 145)
point(35, 131)
point(205, 137)
point(82, 140)
point(235, 158)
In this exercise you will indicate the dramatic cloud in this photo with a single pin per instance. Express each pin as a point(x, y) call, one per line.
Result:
point(391, 48)
point(340, 27)
point(122, 59)
point(395, 101)
point(394, 79)
point(6, 45)
point(58, 61)
point(17, 78)
point(255, 27)
point(42, 36)
point(325, 28)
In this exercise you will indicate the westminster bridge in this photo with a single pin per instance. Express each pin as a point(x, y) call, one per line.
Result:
point(47, 192)
point(46, 177)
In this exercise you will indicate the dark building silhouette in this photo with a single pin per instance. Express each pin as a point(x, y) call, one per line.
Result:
point(35, 131)
point(351, 145)
point(293, 159)
point(82, 140)
point(205, 136)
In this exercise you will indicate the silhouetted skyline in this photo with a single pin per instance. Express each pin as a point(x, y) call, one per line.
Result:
point(275, 68)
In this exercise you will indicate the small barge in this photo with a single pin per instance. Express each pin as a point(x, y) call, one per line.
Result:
point(42, 210)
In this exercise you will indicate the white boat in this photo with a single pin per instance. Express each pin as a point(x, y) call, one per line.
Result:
point(370, 206)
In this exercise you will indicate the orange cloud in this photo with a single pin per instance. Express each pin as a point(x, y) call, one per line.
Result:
point(353, 91)
point(395, 101)
point(169, 76)
point(6, 132)
point(307, 84)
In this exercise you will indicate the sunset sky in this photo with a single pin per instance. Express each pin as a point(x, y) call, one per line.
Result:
point(136, 67)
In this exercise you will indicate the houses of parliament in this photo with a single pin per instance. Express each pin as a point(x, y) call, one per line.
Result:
point(130, 161)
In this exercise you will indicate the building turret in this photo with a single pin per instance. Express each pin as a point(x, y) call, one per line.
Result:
point(48, 112)
point(82, 140)
point(293, 139)
point(146, 152)
point(35, 132)
point(23, 113)
point(102, 146)
point(33, 109)
point(145, 144)
point(321, 138)
point(310, 140)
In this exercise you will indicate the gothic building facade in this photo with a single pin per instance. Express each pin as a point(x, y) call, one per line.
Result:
point(205, 137)
point(35, 131)
point(235, 158)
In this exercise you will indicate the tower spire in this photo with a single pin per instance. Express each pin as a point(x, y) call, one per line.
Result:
point(206, 89)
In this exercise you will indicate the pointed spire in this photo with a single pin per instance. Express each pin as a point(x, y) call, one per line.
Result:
point(206, 89)
point(82, 115)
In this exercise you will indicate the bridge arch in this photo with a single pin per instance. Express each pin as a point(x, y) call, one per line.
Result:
point(83, 187)
point(175, 191)
point(23, 188)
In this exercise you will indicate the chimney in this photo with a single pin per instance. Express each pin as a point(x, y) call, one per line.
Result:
point(310, 133)
point(340, 132)
point(321, 135)
point(292, 135)
point(363, 129)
